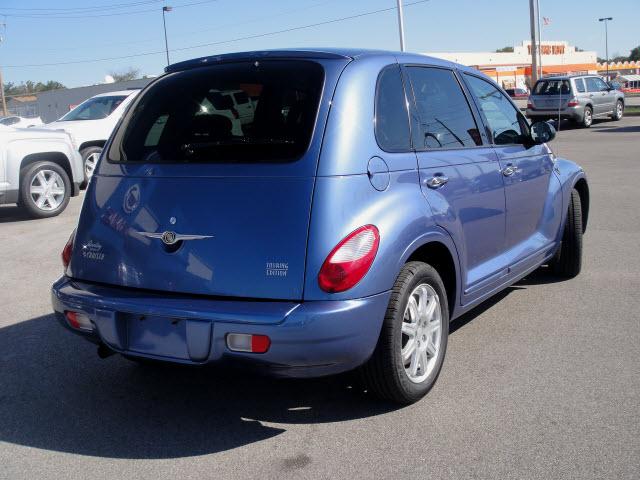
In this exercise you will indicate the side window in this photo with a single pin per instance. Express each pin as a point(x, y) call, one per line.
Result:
point(392, 119)
point(506, 124)
point(445, 117)
point(580, 85)
point(603, 87)
point(595, 84)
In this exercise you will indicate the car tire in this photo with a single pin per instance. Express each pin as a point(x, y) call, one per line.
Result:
point(386, 373)
point(587, 117)
point(567, 262)
point(90, 156)
point(618, 113)
point(45, 189)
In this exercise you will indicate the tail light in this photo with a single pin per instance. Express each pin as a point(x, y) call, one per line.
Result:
point(573, 102)
point(235, 113)
point(68, 250)
point(350, 260)
point(244, 342)
point(530, 105)
point(78, 320)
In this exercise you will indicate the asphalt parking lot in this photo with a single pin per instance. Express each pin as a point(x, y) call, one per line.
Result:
point(542, 382)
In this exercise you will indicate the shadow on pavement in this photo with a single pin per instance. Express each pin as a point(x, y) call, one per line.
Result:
point(56, 394)
point(12, 213)
point(628, 129)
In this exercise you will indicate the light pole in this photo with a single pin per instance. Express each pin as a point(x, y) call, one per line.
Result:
point(401, 25)
point(4, 100)
point(164, 24)
point(606, 40)
point(535, 40)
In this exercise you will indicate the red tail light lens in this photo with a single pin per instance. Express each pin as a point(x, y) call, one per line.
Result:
point(350, 260)
point(530, 106)
point(235, 113)
point(244, 342)
point(68, 250)
point(573, 102)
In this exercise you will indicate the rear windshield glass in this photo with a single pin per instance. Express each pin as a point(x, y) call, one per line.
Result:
point(94, 108)
point(552, 87)
point(190, 116)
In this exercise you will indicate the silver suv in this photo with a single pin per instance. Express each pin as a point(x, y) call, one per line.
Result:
point(580, 98)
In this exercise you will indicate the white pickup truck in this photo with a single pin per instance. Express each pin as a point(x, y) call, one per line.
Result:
point(92, 122)
point(39, 170)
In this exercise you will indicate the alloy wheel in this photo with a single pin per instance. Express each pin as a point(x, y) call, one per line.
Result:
point(90, 164)
point(421, 333)
point(47, 190)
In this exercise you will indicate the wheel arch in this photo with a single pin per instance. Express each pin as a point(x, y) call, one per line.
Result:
point(439, 255)
point(58, 158)
point(92, 143)
point(583, 190)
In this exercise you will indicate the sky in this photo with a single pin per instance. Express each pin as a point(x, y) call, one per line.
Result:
point(82, 30)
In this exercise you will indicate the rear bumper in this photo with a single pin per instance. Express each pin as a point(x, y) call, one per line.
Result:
point(308, 339)
point(571, 113)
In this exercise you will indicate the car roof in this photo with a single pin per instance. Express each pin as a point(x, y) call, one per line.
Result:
point(119, 92)
point(312, 53)
point(567, 77)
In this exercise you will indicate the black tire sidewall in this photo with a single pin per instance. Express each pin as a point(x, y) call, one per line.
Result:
point(27, 203)
point(423, 274)
point(85, 152)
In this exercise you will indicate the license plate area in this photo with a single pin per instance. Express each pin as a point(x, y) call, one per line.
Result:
point(157, 335)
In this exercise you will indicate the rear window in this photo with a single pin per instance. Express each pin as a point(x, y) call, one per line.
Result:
point(190, 116)
point(552, 87)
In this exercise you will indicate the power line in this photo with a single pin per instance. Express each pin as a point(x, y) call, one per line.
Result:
point(84, 9)
point(180, 35)
point(49, 16)
point(302, 27)
point(221, 42)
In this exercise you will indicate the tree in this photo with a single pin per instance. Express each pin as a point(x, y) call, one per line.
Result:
point(634, 55)
point(124, 75)
point(505, 50)
point(30, 87)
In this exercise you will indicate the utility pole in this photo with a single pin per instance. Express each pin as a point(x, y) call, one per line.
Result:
point(401, 25)
point(606, 40)
point(4, 102)
point(535, 39)
point(164, 24)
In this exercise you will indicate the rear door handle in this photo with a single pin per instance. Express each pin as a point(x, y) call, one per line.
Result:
point(436, 181)
point(509, 170)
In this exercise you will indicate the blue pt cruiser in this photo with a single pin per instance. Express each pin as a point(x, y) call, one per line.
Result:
point(313, 212)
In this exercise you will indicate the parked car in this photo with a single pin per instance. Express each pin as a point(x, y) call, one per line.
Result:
point(373, 198)
point(579, 98)
point(91, 123)
point(20, 122)
point(517, 92)
point(39, 170)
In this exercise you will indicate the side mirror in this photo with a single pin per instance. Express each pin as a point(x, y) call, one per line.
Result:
point(542, 132)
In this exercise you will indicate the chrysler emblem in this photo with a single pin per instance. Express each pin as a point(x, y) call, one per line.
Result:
point(171, 238)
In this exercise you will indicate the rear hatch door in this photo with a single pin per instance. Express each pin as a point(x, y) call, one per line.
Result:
point(181, 202)
point(551, 94)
